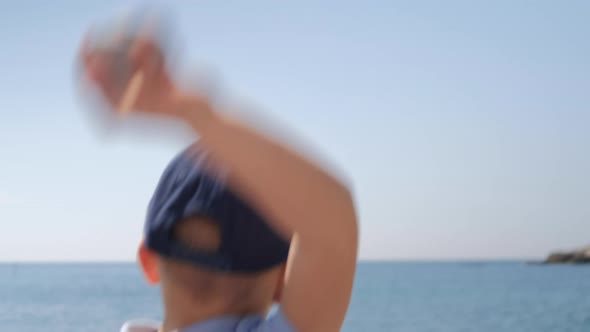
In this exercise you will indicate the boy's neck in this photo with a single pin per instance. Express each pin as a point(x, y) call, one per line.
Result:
point(181, 312)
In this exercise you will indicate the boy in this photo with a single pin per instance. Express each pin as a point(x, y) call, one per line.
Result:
point(228, 212)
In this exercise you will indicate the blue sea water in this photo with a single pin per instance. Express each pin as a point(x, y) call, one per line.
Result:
point(405, 297)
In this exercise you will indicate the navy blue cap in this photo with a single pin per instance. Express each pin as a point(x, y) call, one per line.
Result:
point(187, 189)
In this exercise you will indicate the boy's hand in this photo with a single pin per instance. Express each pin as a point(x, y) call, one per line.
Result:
point(146, 86)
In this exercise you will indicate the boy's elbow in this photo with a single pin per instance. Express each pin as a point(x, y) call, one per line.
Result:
point(350, 220)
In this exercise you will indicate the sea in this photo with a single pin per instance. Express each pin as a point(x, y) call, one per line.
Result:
point(388, 297)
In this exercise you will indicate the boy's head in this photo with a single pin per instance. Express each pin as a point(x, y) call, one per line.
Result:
point(206, 246)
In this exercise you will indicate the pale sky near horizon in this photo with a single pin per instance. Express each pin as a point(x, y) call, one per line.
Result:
point(464, 125)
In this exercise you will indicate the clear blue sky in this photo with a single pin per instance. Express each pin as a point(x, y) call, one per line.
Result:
point(464, 125)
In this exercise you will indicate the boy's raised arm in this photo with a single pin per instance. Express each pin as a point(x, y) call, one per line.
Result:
point(300, 199)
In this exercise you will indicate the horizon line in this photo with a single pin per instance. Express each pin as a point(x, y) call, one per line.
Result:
point(364, 260)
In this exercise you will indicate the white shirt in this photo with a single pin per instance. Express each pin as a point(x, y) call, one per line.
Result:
point(277, 322)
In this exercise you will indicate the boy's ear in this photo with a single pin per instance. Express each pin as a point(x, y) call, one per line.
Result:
point(280, 283)
point(148, 261)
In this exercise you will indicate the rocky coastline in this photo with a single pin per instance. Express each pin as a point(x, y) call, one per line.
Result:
point(579, 256)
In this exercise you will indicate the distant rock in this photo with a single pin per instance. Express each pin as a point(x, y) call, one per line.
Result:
point(580, 256)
